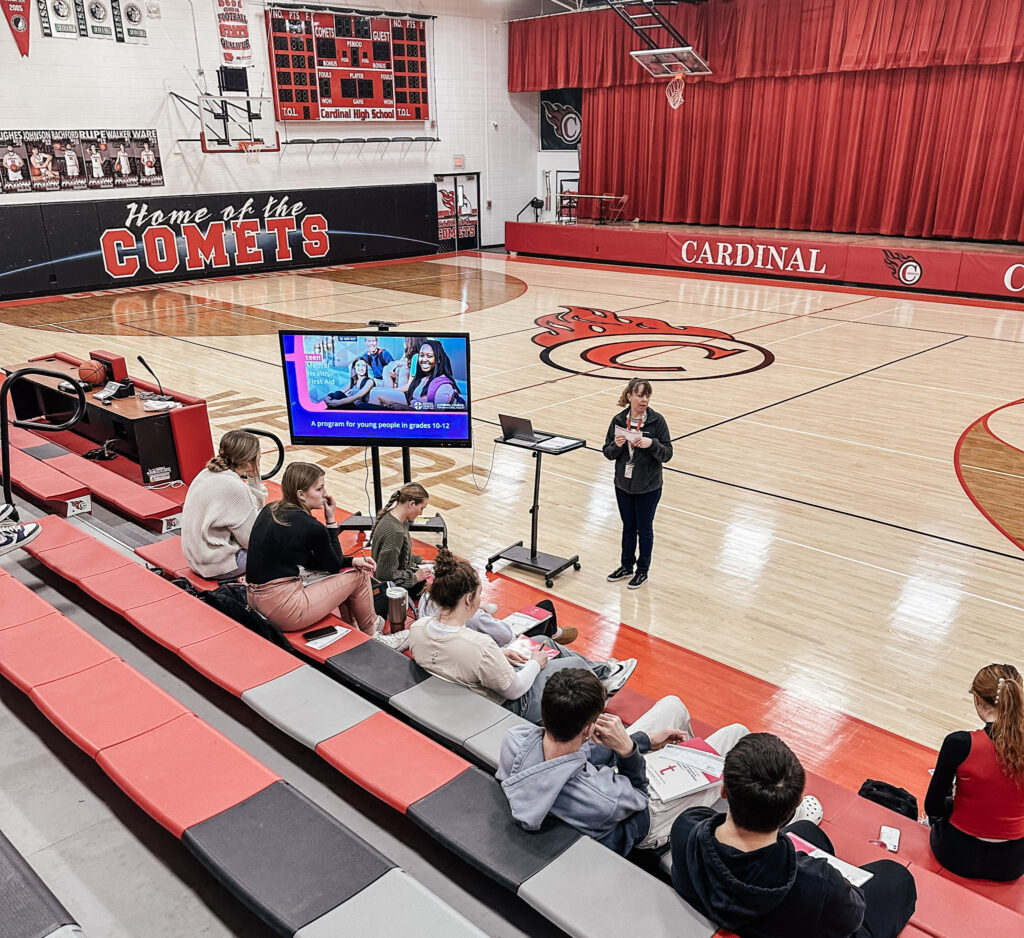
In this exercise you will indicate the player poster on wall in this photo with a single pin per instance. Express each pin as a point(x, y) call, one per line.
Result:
point(42, 173)
point(99, 19)
point(67, 158)
point(150, 168)
point(119, 145)
point(233, 27)
point(17, 13)
point(57, 18)
point(14, 162)
point(95, 156)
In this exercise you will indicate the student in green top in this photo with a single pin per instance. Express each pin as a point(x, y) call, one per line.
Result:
point(392, 547)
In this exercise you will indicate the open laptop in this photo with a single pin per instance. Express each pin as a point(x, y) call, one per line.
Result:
point(519, 430)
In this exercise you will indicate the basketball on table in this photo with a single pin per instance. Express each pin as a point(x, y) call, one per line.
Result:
point(93, 373)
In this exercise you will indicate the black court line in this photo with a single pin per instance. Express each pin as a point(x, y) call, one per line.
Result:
point(890, 325)
point(860, 374)
point(815, 505)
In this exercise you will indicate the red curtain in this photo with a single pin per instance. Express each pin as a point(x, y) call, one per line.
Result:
point(897, 117)
point(917, 152)
point(770, 38)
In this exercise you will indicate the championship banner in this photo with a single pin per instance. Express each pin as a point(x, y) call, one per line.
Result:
point(58, 18)
point(132, 20)
point(80, 18)
point(233, 28)
point(561, 121)
point(99, 18)
point(17, 15)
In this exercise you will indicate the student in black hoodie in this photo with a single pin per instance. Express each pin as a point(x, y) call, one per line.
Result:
point(743, 872)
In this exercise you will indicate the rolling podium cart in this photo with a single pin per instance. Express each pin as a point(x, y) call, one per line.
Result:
point(519, 433)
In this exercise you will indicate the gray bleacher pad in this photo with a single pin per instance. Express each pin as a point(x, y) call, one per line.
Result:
point(470, 815)
point(46, 451)
point(27, 907)
point(486, 746)
point(285, 857)
point(308, 705)
point(376, 670)
point(450, 710)
point(395, 906)
point(590, 892)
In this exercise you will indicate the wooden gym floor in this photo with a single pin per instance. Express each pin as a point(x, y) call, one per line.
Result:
point(840, 544)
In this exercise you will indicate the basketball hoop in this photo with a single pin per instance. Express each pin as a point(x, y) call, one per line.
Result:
point(252, 149)
point(675, 90)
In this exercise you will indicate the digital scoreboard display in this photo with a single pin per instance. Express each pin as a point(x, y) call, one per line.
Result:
point(347, 66)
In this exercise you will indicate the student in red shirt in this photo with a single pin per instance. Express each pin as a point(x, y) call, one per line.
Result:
point(978, 826)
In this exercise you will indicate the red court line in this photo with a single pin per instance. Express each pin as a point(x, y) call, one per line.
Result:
point(840, 747)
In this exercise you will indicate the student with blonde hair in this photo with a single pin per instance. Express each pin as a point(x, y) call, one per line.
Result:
point(391, 545)
point(288, 542)
point(975, 800)
point(221, 507)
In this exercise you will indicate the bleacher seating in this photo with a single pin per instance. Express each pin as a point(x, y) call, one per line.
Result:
point(285, 858)
point(457, 803)
point(27, 906)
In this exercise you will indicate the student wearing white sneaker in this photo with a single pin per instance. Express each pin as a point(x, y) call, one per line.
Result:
point(444, 646)
point(14, 535)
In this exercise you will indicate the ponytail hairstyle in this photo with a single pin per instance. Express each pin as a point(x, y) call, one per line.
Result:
point(453, 579)
point(635, 386)
point(1000, 686)
point(237, 450)
point(298, 477)
point(410, 492)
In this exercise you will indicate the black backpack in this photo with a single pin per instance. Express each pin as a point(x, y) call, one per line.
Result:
point(231, 600)
point(889, 796)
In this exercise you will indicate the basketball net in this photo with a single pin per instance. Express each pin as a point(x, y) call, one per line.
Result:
point(674, 91)
point(252, 149)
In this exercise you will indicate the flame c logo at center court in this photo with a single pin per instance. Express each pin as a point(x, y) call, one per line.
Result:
point(603, 344)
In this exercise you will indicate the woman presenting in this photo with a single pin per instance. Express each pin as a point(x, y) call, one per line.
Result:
point(975, 801)
point(639, 442)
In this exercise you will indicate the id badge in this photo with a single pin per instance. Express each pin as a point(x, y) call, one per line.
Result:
point(628, 472)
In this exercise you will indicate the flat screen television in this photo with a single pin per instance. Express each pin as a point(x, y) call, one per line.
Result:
point(377, 388)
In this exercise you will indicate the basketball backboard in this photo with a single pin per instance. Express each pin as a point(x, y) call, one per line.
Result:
point(237, 124)
point(665, 63)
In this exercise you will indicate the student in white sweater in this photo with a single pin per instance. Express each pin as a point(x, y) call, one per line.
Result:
point(221, 507)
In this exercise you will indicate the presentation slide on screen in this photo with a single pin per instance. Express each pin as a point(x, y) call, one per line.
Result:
point(351, 387)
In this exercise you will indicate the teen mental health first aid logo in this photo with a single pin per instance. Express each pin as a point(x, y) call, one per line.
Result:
point(603, 344)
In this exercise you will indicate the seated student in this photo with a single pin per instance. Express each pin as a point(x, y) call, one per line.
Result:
point(391, 545)
point(743, 872)
point(483, 621)
point(444, 646)
point(975, 801)
point(586, 768)
point(360, 384)
point(287, 540)
point(221, 507)
point(14, 534)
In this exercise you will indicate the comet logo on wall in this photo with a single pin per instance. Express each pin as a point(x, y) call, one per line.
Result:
point(603, 344)
point(566, 121)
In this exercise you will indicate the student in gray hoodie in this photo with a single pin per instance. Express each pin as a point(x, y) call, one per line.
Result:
point(585, 768)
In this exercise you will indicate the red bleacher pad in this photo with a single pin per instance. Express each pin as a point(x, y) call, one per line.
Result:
point(56, 533)
point(122, 494)
point(345, 643)
point(90, 707)
point(947, 910)
point(128, 587)
point(184, 772)
point(167, 556)
point(1008, 895)
point(864, 819)
point(853, 849)
point(629, 706)
point(391, 760)
point(179, 620)
point(18, 604)
point(81, 559)
point(25, 439)
point(43, 482)
point(47, 649)
point(834, 798)
point(239, 660)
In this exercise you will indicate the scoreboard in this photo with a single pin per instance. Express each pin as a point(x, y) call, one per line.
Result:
point(329, 66)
